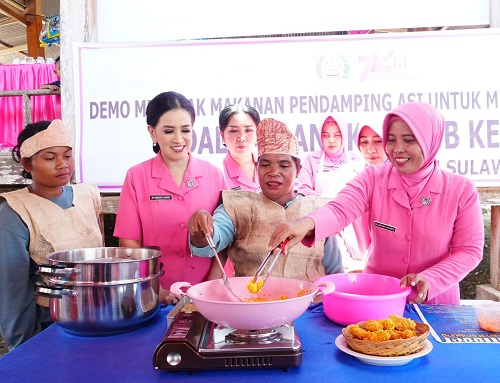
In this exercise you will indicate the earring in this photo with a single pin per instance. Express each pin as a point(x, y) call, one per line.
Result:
point(156, 147)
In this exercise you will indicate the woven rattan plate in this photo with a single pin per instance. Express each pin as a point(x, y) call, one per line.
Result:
point(341, 344)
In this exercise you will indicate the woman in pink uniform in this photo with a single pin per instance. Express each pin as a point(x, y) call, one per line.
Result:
point(160, 194)
point(326, 171)
point(371, 147)
point(426, 225)
point(237, 124)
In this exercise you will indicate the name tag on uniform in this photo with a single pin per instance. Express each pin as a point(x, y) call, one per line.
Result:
point(166, 197)
point(384, 226)
point(236, 188)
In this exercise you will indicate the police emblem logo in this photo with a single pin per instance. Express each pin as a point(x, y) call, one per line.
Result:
point(425, 201)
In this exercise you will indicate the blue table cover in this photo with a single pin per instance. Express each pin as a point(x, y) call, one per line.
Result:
point(56, 356)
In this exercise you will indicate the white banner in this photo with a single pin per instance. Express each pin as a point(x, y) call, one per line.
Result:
point(299, 81)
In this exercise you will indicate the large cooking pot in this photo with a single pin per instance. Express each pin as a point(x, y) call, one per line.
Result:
point(101, 291)
point(215, 303)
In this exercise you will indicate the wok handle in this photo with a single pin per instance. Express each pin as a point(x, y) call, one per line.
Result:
point(324, 288)
point(176, 287)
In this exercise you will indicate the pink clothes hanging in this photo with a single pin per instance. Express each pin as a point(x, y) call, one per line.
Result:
point(25, 77)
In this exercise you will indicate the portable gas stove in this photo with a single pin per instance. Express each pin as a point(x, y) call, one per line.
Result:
point(192, 342)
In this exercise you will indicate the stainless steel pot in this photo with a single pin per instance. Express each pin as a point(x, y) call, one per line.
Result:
point(102, 291)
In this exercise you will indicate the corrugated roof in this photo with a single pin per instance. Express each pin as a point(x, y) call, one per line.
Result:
point(13, 37)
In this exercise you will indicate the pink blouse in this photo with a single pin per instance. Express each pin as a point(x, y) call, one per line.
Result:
point(441, 240)
point(154, 210)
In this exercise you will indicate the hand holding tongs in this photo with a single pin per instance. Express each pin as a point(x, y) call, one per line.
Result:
point(271, 257)
point(225, 282)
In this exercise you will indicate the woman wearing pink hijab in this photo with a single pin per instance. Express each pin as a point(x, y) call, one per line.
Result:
point(325, 172)
point(426, 224)
point(371, 147)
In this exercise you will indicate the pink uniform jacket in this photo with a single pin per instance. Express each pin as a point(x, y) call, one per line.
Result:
point(154, 210)
point(236, 177)
point(442, 240)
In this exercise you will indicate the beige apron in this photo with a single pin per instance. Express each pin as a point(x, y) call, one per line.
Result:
point(255, 217)
point(332, 182)
point(52, 228)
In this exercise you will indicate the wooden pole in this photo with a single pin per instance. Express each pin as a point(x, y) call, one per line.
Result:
point(33, 28)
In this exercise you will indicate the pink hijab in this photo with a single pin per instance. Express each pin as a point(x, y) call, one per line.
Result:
point(427, 125)
point(340, 155)
point(376, 128)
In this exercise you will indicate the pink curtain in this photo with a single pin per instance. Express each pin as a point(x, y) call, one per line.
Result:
point(21, 77)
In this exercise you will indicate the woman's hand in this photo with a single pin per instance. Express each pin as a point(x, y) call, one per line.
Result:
point(295, 231)
point(167, 297)
point(200, 224)
point(418, 284)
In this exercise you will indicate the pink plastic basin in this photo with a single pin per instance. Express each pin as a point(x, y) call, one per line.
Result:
point(359, 297)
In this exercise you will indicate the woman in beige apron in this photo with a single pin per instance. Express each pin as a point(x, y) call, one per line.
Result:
point(49, 215)
point(325, 172)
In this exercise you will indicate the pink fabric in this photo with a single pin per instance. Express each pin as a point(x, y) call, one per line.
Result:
point(236, 177)
point(155, 211)
point(442, 242)
point(307, 183)
point(21, 77)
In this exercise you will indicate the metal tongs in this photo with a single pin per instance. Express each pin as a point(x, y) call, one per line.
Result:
point(271, 259)
point(224, 276)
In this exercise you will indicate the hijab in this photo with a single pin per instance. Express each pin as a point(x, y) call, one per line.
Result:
point(378, 130)
point(427, 125)
point(340, 157)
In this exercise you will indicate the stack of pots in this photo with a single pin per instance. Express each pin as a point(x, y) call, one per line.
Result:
point(102, 291)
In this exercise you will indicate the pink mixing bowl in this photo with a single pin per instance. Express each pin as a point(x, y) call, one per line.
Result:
point(359, 297)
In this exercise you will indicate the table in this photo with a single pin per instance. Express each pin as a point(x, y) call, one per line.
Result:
point(56, 356)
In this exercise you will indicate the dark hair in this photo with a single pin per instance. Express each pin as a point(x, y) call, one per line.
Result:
point(29, 131)
point(165, 102)
point(58, 58)
point(296, 160)
point(229, 110)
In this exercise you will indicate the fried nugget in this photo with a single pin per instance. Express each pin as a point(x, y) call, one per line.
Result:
point(408, 334)
point(359, 333)
point(373, 325)
point(402, 324)
point(388, 324)
point(394, 334)
point(380, 336)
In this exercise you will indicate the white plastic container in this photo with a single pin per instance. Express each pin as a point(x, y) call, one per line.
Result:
point(488, 316)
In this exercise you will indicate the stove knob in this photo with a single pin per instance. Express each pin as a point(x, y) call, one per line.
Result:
point(174, 358)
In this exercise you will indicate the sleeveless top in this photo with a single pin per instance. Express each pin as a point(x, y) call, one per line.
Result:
point(255, 217)
point(53, 228)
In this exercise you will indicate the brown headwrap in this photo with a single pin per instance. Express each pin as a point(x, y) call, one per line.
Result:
point(54, 135)
point(273, 137)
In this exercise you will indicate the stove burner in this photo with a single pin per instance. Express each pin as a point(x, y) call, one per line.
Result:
point(265, 336)
point(194, 343)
